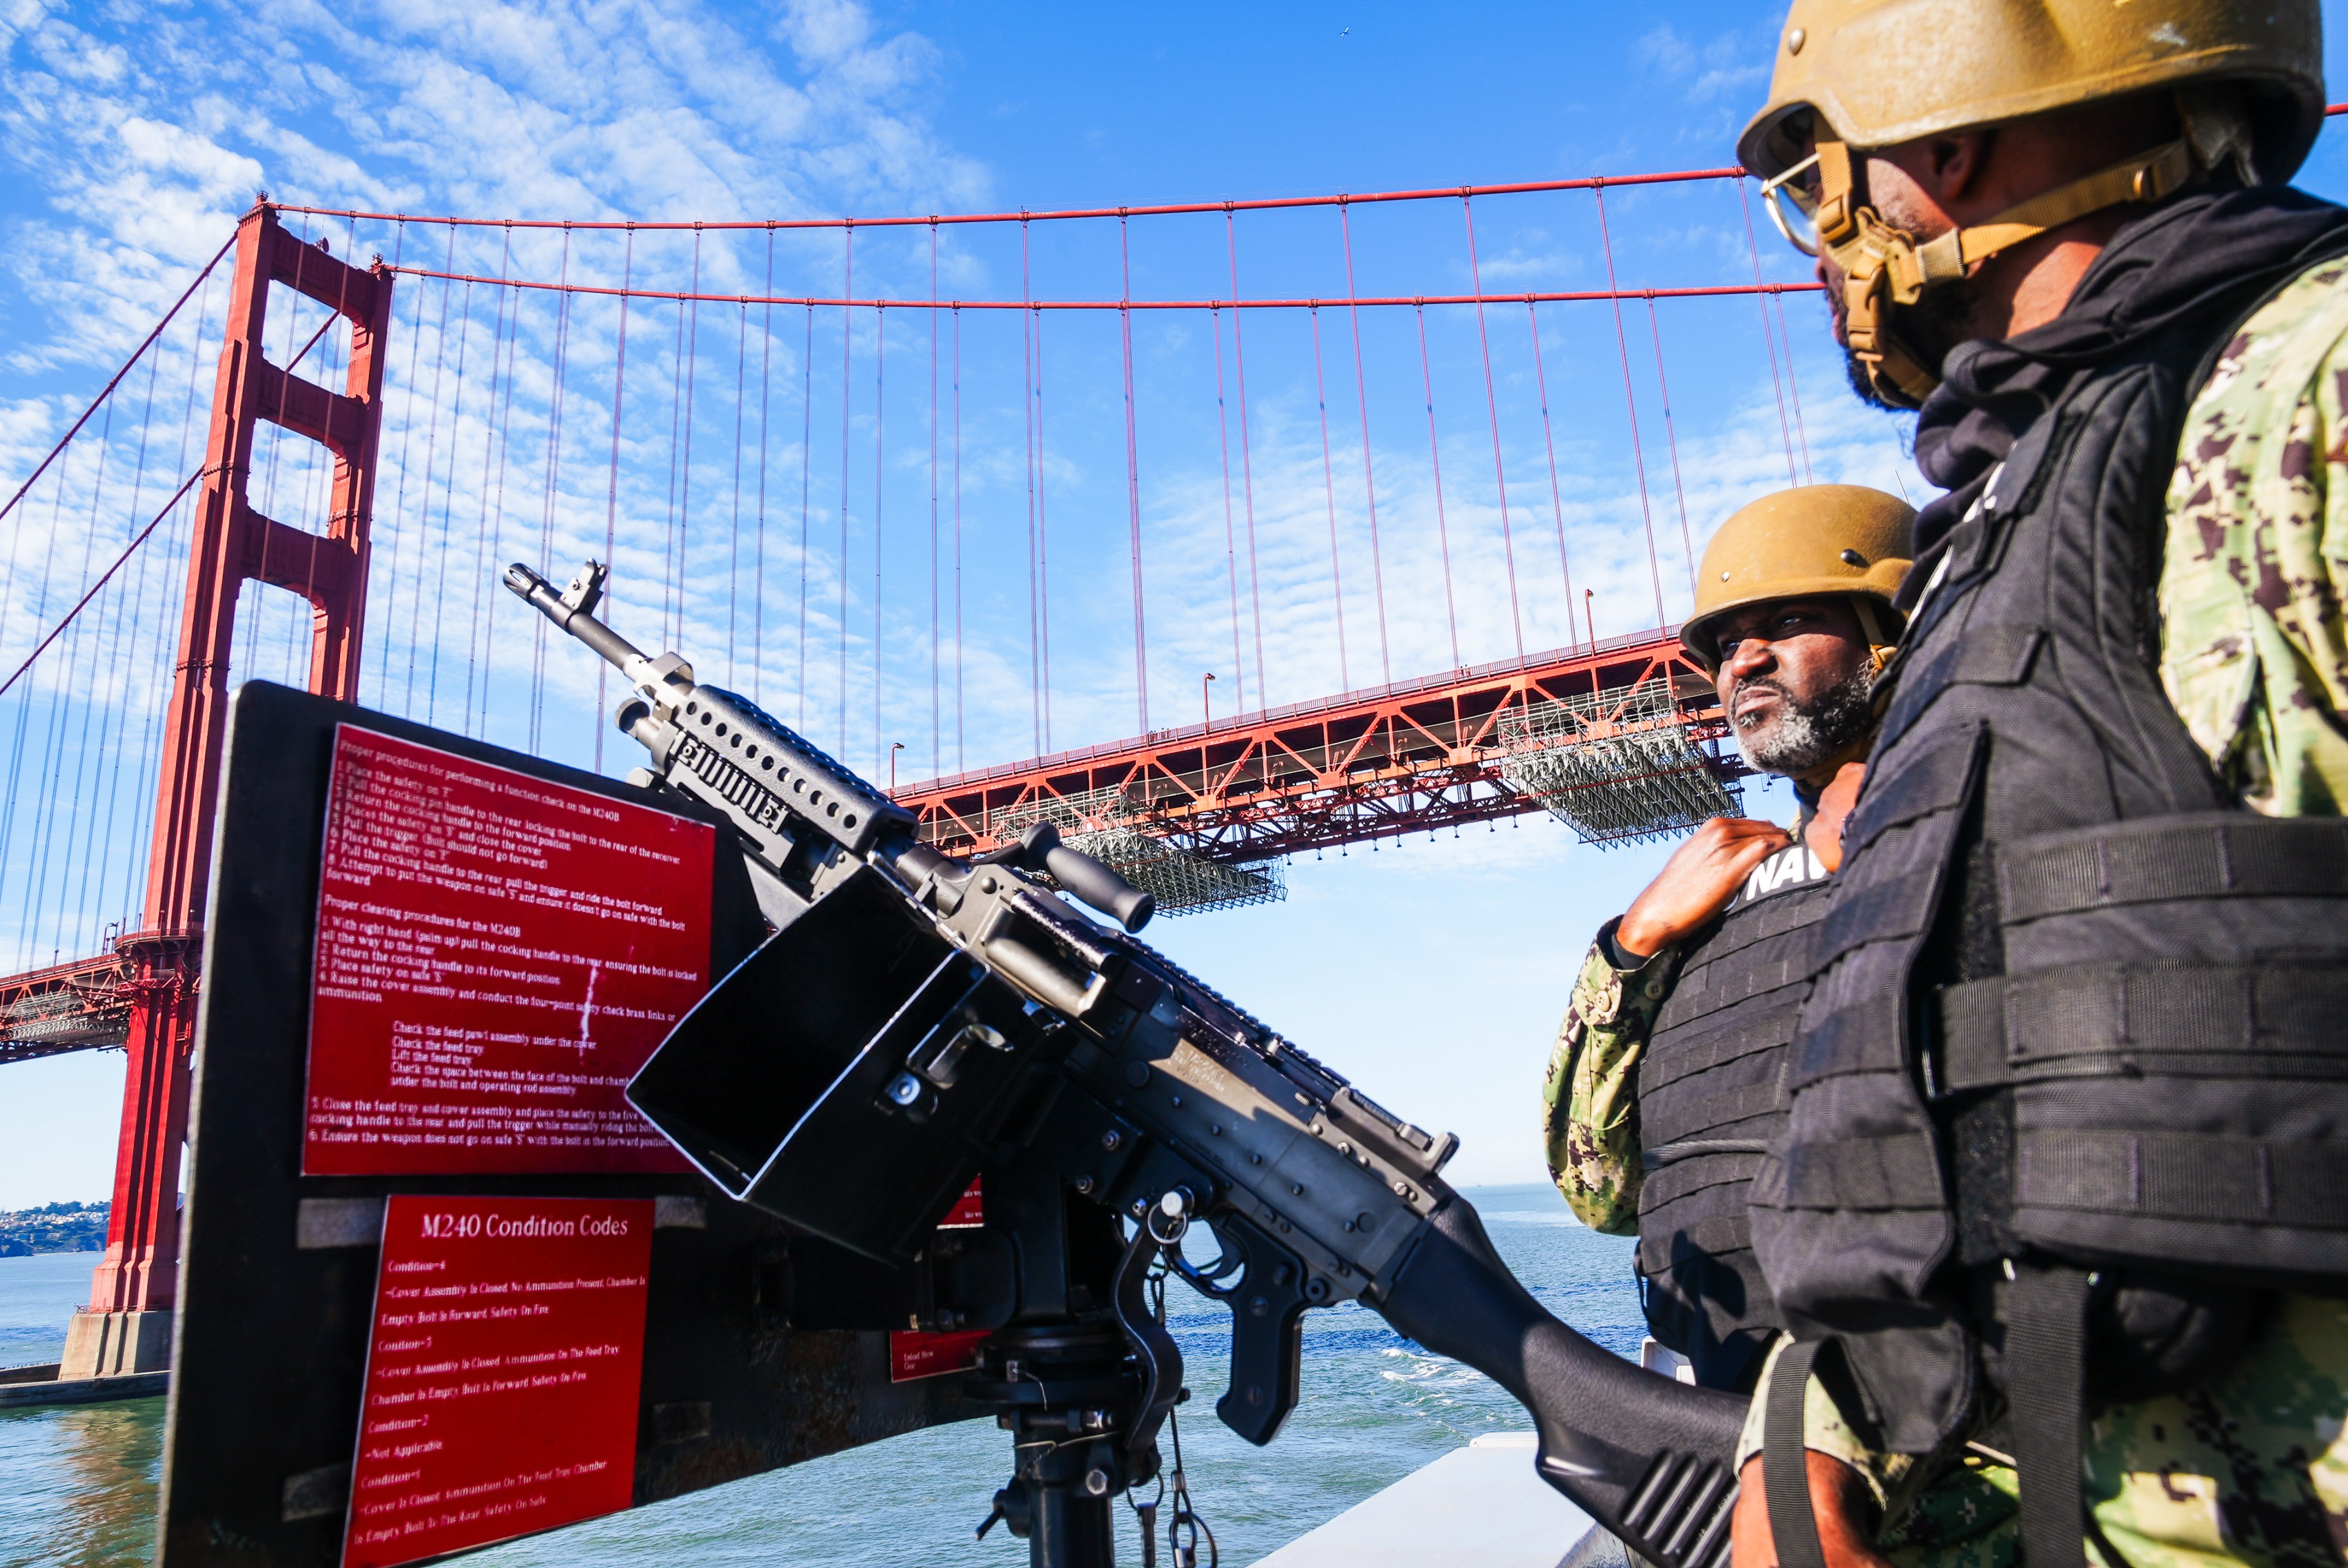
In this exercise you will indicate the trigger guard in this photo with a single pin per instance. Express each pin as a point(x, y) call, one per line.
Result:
point(1267, 1327)
point(1203, 1280)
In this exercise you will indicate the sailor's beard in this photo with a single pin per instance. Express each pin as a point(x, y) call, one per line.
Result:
point(1928, 329)
point(1798, 738)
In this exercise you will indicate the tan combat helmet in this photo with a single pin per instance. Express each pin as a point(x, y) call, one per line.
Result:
point(1806, 543)
point(1854, 76)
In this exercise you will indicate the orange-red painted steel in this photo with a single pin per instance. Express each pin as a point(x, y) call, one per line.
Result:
point(231, 542)
point(1408, 757)
point(1257, 204)
point(73, 1007)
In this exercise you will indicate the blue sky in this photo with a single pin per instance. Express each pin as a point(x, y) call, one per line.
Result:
point(1434, 973)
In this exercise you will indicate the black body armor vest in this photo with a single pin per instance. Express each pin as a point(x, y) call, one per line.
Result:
point(2074, 1009)
point(1710, 1102)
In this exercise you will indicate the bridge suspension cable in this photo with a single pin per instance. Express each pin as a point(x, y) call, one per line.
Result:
point(520, 388)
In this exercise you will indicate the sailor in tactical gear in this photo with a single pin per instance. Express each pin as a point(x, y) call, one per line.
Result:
point(1662, 1089)
point(2065, 1170)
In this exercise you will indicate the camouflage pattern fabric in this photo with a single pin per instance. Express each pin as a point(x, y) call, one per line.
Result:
point(2254, 639)
point(1590, 1097)
point(2250, 1467)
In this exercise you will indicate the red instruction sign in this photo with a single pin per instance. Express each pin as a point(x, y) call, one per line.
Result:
point(497, 956)
point(912, 1355)
point(502, 1374)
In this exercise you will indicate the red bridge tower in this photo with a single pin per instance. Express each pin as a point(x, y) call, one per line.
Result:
point(126, 1326)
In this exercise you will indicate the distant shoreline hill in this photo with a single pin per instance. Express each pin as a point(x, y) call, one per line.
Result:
point(53, 1228)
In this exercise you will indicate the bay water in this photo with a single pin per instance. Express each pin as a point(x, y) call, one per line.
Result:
point(77, 1484)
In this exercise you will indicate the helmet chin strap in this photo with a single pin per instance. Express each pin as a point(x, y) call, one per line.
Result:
point(1883, 267)
point(1882, 639)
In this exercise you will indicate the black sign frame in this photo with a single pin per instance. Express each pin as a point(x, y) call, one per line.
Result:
point(277, 1270)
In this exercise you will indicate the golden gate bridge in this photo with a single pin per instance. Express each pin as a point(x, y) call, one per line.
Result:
point(362, 474)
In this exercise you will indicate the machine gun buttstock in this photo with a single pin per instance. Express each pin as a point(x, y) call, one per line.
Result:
point(1647, 1456)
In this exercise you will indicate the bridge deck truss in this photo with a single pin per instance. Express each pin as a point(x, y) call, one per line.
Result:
point(1622, 743)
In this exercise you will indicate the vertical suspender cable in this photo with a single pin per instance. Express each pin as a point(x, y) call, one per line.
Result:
point(1043, 537)
point(24, 710)
point(431, 453)
point(69, 813)
point(54, 759)
point(1369, 485)
point(1630, 401)
point(495, 546)
point(151, 746)
point(117, 691)
point(847, 368)
point(611, 495)
point(960, 761)
point(1442, 523)
point(1247, 461)
point(1671, 442)
point(879, 447)
point(1556, 501)
point(1329, 494)
point(553, 472)
point(937, 727)
point(1794, 394)
point(675, 422)
point(1231, 536)
point(130, 696)
point(1768, 339)
point(684, 486)
point(733, 549)
point(766, 396)
point(498, 536)
point(390, 575)
point(24, 706)
point(807, 482)
point(484, 626)
point(1492, 403)
point(1027, 401)
point(488, 458)
point(448, 510)
point(1132, 475)
point(141, 625)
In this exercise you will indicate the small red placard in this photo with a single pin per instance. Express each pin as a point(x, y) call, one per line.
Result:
point(915, 1355)
point(497, 955)
point(502, 1374)
point(969, 1211)
point(912, 1355)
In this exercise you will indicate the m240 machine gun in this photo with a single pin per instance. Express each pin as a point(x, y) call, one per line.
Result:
point(917, 1021)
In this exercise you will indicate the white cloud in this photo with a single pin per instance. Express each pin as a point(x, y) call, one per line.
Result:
point(133, 139)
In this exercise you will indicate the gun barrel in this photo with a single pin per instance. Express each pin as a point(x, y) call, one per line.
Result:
point(536, 590)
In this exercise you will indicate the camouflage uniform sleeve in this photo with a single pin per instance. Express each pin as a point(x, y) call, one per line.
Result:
point(2254, 642)
point(1589, 1098)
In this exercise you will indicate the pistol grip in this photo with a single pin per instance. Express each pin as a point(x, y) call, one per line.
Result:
point(1267, 1334)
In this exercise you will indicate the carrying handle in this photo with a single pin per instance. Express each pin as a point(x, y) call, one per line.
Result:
point(1090, 879)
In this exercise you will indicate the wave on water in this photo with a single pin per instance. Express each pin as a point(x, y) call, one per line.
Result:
point(1375, 1408)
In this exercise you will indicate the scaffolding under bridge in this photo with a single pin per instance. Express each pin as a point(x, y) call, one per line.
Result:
point(1623, 741)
